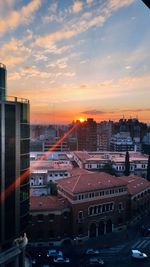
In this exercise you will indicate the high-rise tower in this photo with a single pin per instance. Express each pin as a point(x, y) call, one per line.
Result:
point(14, 179)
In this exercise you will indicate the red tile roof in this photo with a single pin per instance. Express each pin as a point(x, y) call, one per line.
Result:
point(82, 155)
point(135, 184)
point(41, 203)
point(90, 181)
point(78, 171)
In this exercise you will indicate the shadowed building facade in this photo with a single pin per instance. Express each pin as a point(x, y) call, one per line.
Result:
point(14, 161)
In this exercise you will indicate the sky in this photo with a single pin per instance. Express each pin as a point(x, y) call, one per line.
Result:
point(77, 58)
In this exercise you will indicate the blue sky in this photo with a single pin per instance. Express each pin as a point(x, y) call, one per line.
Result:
point(71, 58)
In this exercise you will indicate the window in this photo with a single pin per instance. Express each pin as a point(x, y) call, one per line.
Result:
point(80, 214)
point(40, 217)
point(103, 208)
point(120, 206)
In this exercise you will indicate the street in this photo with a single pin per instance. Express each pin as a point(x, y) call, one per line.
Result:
point(115, 249)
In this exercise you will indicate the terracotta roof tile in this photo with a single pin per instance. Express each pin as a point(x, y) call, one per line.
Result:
point(41, 203)
point(91, 181)
point(135, 184)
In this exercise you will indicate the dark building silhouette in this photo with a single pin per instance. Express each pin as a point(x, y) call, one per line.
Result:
point(87, 135)
point(14, 161)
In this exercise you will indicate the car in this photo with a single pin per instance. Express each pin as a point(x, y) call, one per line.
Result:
point(95, 261)
point(34, 261)
point(91, 251)
point(61, 260)
point(145, 231)
point(54, 253)
point(136, 254)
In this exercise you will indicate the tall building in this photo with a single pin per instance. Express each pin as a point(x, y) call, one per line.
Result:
point(121, 142)
point(104, 133)
point(14, 184)
point(87, 135)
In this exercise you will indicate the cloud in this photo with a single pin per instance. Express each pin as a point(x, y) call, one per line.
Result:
point(55, 49)
point(40, 56)
point(77, 6)
point(13, 60)
point(89, 2)
point(93, 112)
point(53, 8)
point(60, 63)
point(16, 18)
point(128, 67)
point(14, 45)
point(14, 76)
point(136, 110)
point(76, 26)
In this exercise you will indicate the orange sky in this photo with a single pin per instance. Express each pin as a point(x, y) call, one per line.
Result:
point(77, 58)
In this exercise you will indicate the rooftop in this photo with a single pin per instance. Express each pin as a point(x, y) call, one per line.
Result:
point(41, 203)
point(85, 182)
point(135, 184)
point(85, 156)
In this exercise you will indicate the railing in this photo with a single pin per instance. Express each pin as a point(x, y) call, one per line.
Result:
point(15, 99)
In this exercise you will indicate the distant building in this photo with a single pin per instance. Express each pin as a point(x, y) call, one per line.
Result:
point(121, 142)
point(146, 143)
point(56, 165)
point(104, 133)
point(100, 161)
point(14, 162)
point(87, 135)
point(51, 145)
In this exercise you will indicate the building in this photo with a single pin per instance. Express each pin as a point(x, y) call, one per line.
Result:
point(50, 219)
point(87, 135)
point(98, 203)
point(88, 205)
point(14, 163)
point(146, 143)
point(121, 142)
point(139, 192)
point(112, 161)
point(56, 165)
point(104, 133)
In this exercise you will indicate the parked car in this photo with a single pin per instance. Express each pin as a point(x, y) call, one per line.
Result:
point(34, 261)
point(136, 254)
point(91, 251)
point(54, 253)
point(61, 260)
point(145, 231)
point(95, 261)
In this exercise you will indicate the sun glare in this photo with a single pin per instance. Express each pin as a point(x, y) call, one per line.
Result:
point(81, 120)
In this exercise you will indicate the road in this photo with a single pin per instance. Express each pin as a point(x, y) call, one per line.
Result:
point(115, 249)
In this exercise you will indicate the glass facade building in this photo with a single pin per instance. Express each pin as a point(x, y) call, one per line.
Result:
point(14, 171)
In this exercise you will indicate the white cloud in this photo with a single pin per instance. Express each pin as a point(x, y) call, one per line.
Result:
point(89, 2)
point(78, 25)
point(14, 45)
point(14, 76)
point(60, 63)
point(77, 6)
point(16, 18)
point(13, 60)
point(53, 8)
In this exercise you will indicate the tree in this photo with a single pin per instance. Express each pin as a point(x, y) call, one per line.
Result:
point(108, 168)
point(52, 188)
point(148, 169)
point(127, 164)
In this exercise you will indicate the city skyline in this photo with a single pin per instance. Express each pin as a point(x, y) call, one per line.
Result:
point(77, 59)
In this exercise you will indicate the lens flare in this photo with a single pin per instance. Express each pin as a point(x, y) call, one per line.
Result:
point(23, 176)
